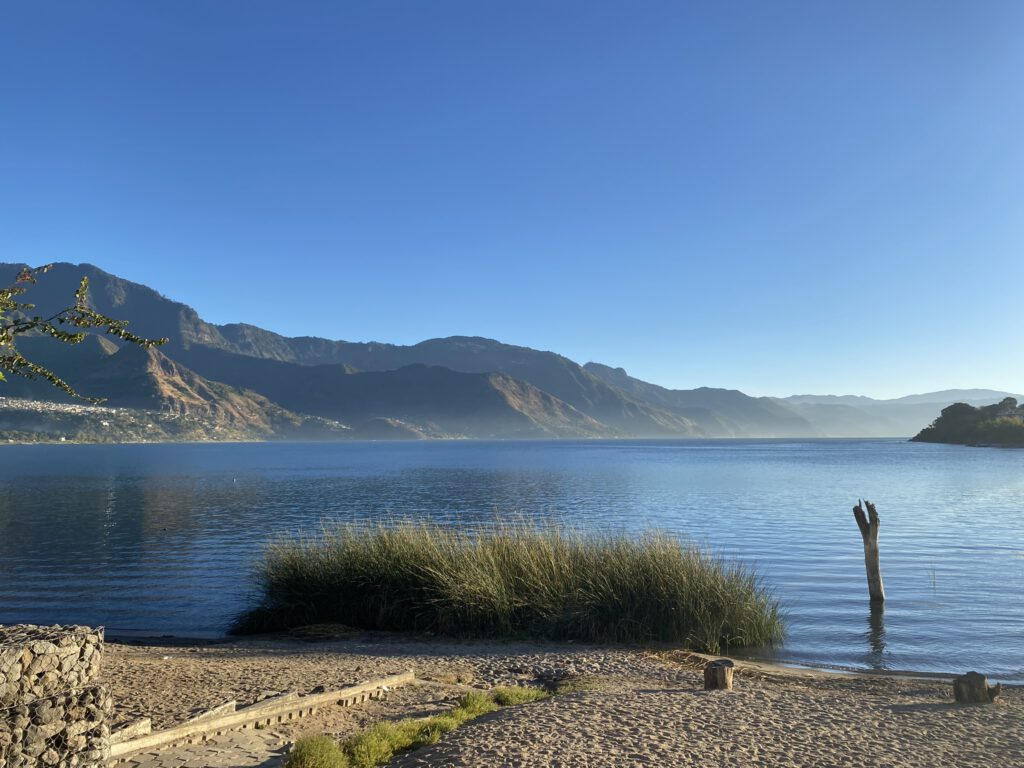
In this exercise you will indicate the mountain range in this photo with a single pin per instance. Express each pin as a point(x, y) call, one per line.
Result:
point(264, 385)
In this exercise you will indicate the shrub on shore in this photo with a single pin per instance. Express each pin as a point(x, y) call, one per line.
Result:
point(316, 752)
point(513, 580)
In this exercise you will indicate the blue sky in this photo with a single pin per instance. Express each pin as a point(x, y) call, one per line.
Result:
point(779, 197)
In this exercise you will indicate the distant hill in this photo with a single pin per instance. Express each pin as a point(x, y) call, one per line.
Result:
point(1000, 424)
point(970, 396)
point(858, 416)
point(242, 377)
point(426, 401)
point(612, 412)
point(718, 412)
point(227, 353)
point(438, 401)
point(853, 400)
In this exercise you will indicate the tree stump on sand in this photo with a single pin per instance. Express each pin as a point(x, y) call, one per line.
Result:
point(718, 675)
point(973, 688)
point(868, 525)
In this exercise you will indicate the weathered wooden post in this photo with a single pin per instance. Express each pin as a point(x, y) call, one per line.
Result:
point(973, 688)
point(718, 675)
point(869, 532)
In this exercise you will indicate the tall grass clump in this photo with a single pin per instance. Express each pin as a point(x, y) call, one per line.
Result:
point(513, 580)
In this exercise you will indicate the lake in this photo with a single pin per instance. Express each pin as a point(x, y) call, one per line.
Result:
point(162, 538)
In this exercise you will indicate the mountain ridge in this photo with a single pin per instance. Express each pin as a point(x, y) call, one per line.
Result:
point(458, 386)
point(860, 416)
point(212, 352)
point(715, 410)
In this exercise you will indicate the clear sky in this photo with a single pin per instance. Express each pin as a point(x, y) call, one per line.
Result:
point(781, 197)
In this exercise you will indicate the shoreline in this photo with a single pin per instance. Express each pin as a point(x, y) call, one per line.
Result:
point(623, 707)
point(456, 439)
point(143, 639)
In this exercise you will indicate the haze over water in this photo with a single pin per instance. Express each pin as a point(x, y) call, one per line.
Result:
point(160, 538)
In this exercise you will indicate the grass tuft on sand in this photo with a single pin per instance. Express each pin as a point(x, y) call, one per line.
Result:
point(316, 752)
point(379, 743)
point(513, 580)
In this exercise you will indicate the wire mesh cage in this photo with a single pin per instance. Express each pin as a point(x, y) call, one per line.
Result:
point(51, 712)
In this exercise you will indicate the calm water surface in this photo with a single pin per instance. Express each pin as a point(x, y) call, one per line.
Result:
point(161, 537)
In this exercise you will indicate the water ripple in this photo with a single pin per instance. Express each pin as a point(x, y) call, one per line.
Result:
point(162, 538)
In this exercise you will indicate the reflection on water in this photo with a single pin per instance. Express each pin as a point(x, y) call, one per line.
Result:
point(876, 636)
point(162, 537)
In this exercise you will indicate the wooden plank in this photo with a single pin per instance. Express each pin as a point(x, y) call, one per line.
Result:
point(223, 709)
point(265, 712)
point(132, 730)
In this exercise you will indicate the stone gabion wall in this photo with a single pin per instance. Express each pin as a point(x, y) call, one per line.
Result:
point(51, 711)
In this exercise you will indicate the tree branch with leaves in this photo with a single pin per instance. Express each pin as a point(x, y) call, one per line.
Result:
point(70, 325)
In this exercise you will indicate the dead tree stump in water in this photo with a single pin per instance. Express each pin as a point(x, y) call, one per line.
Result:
point(718, 675)
point(868, 525)
point(973, 688)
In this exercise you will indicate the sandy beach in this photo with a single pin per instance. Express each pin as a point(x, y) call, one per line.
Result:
point(631, 707)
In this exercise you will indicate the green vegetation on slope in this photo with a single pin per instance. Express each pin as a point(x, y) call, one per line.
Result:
point(513, 581)
point(1001, 424)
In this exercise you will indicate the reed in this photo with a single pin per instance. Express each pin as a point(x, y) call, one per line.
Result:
point(513, 580)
